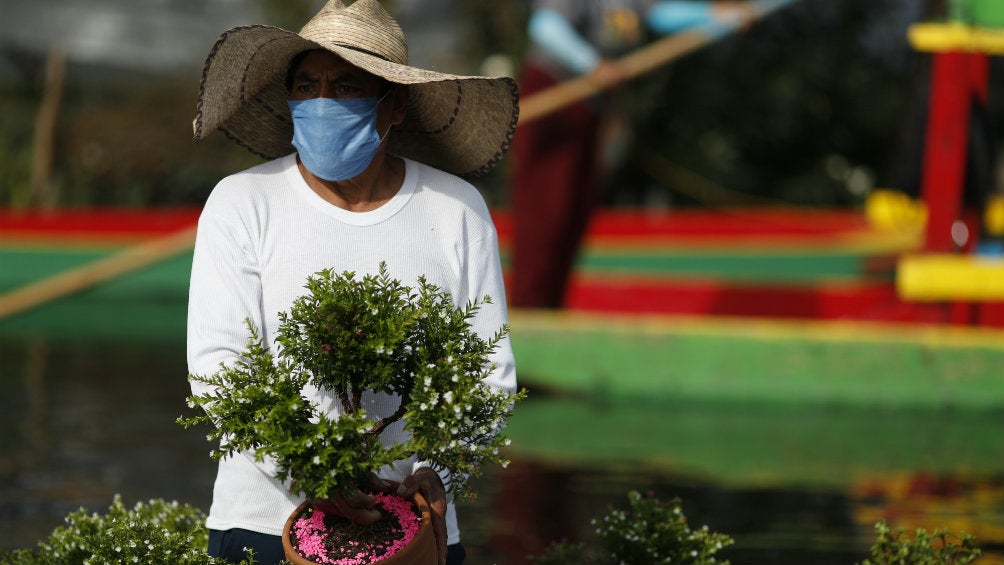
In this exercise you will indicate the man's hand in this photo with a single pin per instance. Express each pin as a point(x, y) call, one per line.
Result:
point(357, 507)
point(734, 13)
point(427, 482)
point(608, 74)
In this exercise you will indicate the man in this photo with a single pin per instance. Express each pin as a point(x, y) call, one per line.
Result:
point(364, 150)
point(555, 176)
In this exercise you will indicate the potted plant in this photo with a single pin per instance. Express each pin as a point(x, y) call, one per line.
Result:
point(346, 337)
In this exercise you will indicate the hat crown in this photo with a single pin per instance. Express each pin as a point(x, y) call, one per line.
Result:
point(364, 25)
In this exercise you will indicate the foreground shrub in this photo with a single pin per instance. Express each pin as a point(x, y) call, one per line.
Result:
point(897, 547)
point(650, 532)
point(654, 532)
point(151, 533)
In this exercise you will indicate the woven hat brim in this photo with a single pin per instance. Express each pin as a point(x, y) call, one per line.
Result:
point(461, 124)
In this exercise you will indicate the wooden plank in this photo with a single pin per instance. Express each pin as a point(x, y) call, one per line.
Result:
point(93, 273)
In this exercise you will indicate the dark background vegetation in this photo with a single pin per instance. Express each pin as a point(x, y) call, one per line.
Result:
point(810, 107)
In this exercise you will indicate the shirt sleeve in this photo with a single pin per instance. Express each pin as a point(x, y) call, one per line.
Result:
point(556, 36)
point(224, 294)
point(670, 16)
point(484, 278)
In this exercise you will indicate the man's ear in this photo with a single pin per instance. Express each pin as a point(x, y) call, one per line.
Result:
point(401, 97)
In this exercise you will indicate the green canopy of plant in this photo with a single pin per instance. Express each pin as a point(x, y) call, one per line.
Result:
point(347, 337)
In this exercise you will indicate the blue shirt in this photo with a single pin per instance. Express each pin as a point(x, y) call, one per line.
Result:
point(575, 35)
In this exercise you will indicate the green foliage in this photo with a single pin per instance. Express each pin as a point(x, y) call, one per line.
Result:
point(649, 532)
point(652, 532)
point(116, 144)
point(152, 533)
point(288, 14)
point(897, 547)
point(16, 124)
point(347, 337)
point(564, 552)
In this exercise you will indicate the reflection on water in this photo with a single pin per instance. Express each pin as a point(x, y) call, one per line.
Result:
point(83, 421)
point(86, 419)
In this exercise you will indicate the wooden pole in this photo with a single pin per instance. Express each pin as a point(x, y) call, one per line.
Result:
point(45, 129)
point(637, 63)
point(83, 277)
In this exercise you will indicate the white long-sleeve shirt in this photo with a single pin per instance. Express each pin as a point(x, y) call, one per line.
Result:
point(263, 232)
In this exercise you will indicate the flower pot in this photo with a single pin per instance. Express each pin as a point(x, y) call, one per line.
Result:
point(421, 551)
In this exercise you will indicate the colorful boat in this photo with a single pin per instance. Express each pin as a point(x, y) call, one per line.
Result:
point(776, 263)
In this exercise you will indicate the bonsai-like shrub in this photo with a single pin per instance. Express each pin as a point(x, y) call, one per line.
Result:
point(897, 547)
point(650, 532)
point(345, 337)
point(155, 532)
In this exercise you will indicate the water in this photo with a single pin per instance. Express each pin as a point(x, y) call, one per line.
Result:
point(85, 419)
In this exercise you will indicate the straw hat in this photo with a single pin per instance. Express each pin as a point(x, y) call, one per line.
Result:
point(461, 124)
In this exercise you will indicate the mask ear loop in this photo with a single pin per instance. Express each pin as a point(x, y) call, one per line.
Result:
point(379, 100)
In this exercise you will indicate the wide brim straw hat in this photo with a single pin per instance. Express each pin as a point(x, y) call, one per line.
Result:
point(461, 124)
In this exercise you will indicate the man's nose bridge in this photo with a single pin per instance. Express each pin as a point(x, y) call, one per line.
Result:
point(326, 88)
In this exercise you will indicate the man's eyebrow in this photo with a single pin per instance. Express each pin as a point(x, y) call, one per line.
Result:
point(307, 76)
point(344, 77)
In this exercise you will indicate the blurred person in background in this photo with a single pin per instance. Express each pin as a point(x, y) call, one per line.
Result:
point(556, 170)
point(366, 154)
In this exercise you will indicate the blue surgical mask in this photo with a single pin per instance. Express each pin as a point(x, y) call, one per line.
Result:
point(335, 137)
